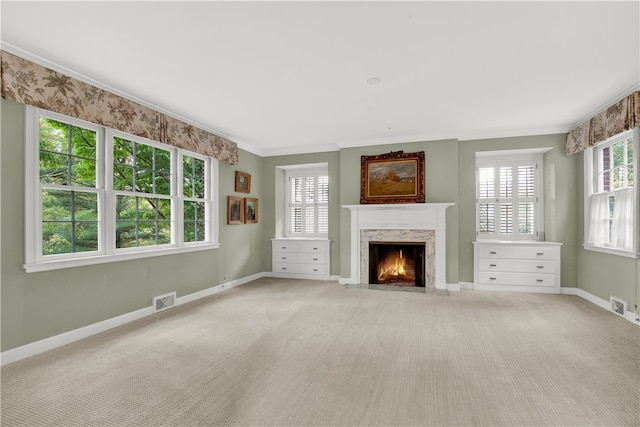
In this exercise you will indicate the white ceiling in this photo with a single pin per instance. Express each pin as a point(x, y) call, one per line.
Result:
point(291, 77)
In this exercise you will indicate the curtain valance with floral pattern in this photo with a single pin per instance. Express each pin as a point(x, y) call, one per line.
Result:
point(32, 84)
point(621, 116)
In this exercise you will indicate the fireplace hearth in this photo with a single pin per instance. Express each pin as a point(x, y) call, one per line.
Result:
point(396, 263)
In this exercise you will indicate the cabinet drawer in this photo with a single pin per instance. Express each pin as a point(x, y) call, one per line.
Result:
point(300, 269)
point(518, 252)
point(303, 258)
point(297, 247)
point(517, 266)
point(525, 279)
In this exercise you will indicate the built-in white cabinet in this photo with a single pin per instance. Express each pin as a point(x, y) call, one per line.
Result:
point(517, 265)
point(306, 258)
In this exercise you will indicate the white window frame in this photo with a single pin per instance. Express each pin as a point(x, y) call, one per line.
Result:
point(303, 171)
point(34, 259)
point(591, 187)
point(513, 158)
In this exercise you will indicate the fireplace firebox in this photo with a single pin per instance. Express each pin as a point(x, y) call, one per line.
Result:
point(397, 263)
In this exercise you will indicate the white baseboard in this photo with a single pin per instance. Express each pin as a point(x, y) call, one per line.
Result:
point(64, 338)
point(629, 315)
point(453, 286)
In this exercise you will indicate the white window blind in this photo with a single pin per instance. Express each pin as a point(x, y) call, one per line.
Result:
point(508, 200)
point(307, 202)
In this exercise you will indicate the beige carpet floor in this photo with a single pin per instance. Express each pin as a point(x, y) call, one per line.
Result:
point(311, 353)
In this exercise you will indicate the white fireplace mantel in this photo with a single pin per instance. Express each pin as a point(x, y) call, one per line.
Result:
point(418, 216)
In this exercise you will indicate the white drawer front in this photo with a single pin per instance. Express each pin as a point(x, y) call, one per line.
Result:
point(525, 279)
point(296, 247)
point(301, 269)
point(518, 252)
point(517, 266)
point(304, 258)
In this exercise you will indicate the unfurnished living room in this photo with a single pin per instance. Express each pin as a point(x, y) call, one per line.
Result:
point(320, 213)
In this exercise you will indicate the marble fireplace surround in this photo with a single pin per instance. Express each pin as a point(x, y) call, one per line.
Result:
point(420, 222)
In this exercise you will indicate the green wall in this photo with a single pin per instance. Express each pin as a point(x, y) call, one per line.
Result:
point(40, 305)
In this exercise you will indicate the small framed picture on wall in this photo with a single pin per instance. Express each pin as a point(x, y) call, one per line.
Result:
point(235, 210)
point(243, 182)
point(250, 210)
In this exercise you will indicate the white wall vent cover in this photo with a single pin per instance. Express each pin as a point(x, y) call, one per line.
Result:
point(163, 302)
point(618, 306)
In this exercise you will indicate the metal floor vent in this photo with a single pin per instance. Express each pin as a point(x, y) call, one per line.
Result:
point(618, 306)
point(163, 302)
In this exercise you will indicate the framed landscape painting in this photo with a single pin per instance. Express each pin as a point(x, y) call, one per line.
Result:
point(235, 210)
point(243, 182)
point(250, 210)
point(396, 177)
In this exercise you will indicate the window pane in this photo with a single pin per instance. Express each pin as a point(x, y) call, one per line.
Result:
point(485, 183)
point(193, 177)
point(525, 218)
point(67, 154)
point(506, 218)
point(618, 154)
point(142, 221)
point(56, 238)
point(630, 162)
point(506, 184)
point(486, 217)
point(525, 181)
point(126, 232)
point(123, 165)
point(69, 221)
point(86, 236)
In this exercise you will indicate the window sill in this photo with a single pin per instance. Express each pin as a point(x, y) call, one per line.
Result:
point(103, 259)
point(611, 251)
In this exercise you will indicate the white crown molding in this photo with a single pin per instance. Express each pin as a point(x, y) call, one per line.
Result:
point(15, 50)
point(607, 104)
point(301, 150)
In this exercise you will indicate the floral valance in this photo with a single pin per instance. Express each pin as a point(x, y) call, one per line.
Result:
point(621, 116)
point(32, 84)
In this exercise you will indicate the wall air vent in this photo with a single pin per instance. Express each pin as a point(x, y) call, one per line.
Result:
point(163, 302)
point(618, 306)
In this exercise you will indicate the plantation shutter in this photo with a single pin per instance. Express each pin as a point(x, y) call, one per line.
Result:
point(506, 199)
point(308, 204)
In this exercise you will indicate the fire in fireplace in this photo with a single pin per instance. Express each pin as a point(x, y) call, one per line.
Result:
point(396, 263)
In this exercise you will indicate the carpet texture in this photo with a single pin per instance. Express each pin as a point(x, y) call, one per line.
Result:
point(310, 353)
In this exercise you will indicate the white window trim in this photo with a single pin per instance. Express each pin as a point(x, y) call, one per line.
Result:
point(35, 261)
point(315, 169)
point(495, 158)
point(590, 183)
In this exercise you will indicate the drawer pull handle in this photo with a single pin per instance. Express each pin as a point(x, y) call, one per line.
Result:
point(493, 265)
point(315, 259)
point(315, 269)
point(284, 268)
point(492, 278)
point(284, 247)
point(539, 280)
point(539, 253)
point(493, 252)
point(315, 249)
point(284, 257)
point(540, 266)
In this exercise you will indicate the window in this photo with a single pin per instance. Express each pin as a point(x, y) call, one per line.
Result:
point(97, 195)
point(611, 195)
point(509, 195)
point(307, 199)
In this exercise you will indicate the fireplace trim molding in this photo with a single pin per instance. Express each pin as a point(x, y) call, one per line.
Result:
point(418, 216)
